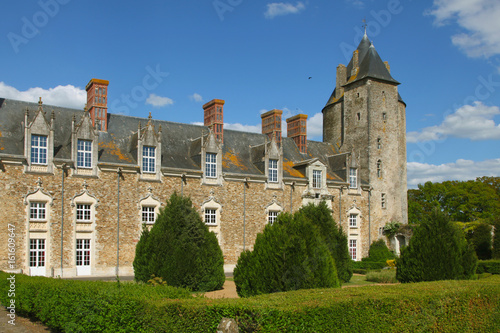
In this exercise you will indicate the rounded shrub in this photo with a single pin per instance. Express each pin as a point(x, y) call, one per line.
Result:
point(288, 255)
point(180, 249)
point(333, 235)
point(379, 252)
point(438, 250)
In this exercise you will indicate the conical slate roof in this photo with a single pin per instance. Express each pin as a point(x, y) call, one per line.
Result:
point(370, 65)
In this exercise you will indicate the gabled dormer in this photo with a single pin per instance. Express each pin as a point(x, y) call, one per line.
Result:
point(273, 159)
point(211, 159)
point(84, 145)
point(149, 151)
point(39, 141)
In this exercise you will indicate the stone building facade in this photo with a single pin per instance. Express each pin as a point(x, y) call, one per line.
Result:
point(77, 187)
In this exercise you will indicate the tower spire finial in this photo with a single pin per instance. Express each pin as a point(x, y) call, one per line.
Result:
point(364, 24)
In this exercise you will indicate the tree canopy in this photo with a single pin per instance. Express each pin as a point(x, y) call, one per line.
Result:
point(462, 201)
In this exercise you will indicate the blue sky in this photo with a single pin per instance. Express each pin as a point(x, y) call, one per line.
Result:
point(170, 57)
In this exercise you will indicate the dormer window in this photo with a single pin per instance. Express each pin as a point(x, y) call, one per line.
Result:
point(273, 171)
point(210, 165)
point(317, 179)
point(353, 178)
point(84, 154)
point(38, 149)
point(148, 159)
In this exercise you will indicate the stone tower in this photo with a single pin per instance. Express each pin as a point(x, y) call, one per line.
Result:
point(365, 116)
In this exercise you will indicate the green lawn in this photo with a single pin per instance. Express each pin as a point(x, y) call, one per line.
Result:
point(357, 280)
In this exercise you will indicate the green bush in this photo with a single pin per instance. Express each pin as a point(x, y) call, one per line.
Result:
point(289, 255)
point(438, 250)
point(180, 249)
point(383, 276)
point(379, 252)
point(480, 237)
point(496, 240)
point(488, 266)
point(333, 235)
point(86, 306)
point(369, 265)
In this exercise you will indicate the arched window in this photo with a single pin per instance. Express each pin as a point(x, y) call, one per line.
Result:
point(379, 169)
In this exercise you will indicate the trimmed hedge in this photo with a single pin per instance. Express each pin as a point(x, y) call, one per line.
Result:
point(442, 306)
point(488, 266)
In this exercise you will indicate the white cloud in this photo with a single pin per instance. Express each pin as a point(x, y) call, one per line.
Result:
point(419, 173)
point(196, 97)
point(478, 18)
point(243, 128)
point(237, 127)
point(315, 127)
point(280, 8)
point(65, 96)
point(473, 122)
point(158, 101)
point(357, 3)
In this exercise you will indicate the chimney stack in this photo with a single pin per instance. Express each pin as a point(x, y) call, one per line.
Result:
point(297, 130)
point(271, 124)
point(341, 80)
point(97, 103)
point(214, 117)
point(355, 63)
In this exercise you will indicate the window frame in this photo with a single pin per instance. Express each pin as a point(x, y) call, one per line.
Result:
point(148, 159)
point(211, 165)
point(353, 220)
point(210, 216)
point(39, 152)
point(37, 252)
point(84, 154)
point(83, 210)
point(272, 216)
point(383, 200)
point(353, 249)
point(38, 211)
point(353, 179)
point(148, 214)
point(317, 179)
point(83, 248)
point(273, 171)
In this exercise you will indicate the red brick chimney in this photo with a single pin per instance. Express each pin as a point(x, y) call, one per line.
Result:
point(271, 124)
point(214, 117)
point(97, 103)
point(297, 130)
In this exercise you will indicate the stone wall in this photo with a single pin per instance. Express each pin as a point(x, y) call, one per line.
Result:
point(242, 216)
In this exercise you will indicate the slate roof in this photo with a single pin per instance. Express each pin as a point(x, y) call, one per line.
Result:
point(370, 66)
point(179, 142)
